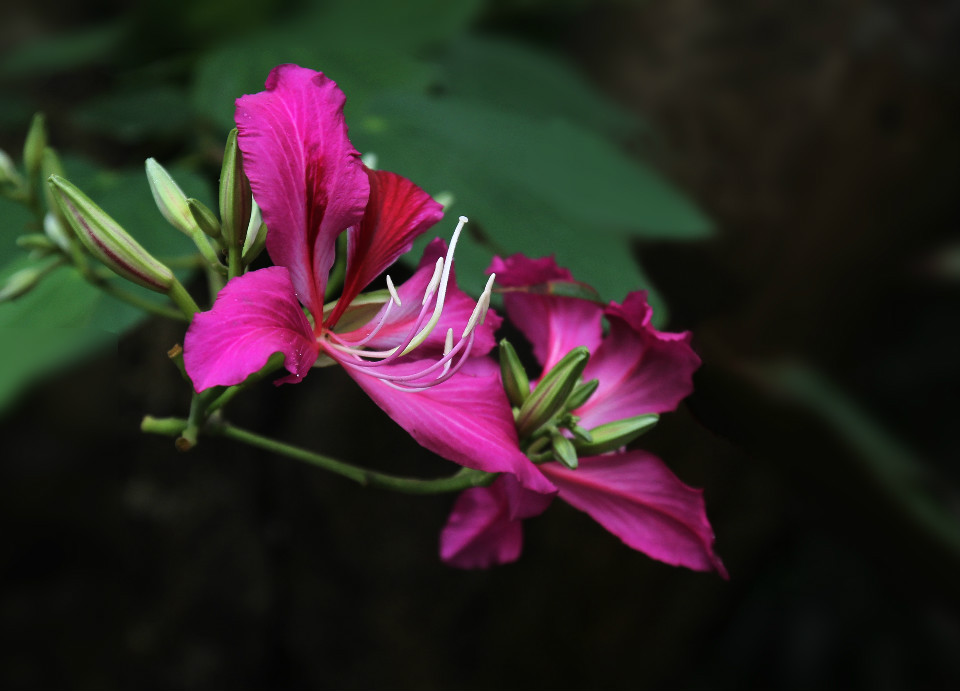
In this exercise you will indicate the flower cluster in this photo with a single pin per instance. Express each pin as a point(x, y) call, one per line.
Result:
point(421, 350)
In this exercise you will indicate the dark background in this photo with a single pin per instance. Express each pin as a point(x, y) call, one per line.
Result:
point(822, 139)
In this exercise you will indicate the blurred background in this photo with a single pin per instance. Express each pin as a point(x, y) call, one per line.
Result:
point(781, 176)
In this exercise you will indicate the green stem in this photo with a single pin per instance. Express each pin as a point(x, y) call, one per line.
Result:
point(182, 299)
point(234, 261)
point(137, 301)
point(465, 479)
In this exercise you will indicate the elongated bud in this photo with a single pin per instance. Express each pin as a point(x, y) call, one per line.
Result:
point(107, 240)
point(21, 282)
point(515, 381)
point(54, 228)
point(50, 165)
point(170, 199)
point(581, 394)
point(205, 219)
point(551, 393)
point(236, 200)
point(37, 242)
point(613, 435)
point(8, 171)
point(256, 235)
point(563, 450)
point(34, 145)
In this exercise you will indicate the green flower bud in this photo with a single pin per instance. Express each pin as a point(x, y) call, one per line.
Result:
point(8, 171)
point(50, 165)
point(563, 450)
point(170, 199)
point(34, 146)
point(581, 394)
point(236, 199)
point(107, 240)
point(515, 381)
point(23, 281)
point(552, 392)
point(205, 219)
point(54, 227)
point(613, 435)
point(38, 242)
point(256, 235)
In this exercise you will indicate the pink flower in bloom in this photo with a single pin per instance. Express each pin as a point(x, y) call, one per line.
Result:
point(630, 493)
point(415, 351)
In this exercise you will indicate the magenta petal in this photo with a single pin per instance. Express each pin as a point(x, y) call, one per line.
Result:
point(466, 419)
point(479, 533)
point(553, 324)
point(636, 497)
point(305, 174)
point(641, 370)
point(456, 312)
point(396, 213)
point(254, 316)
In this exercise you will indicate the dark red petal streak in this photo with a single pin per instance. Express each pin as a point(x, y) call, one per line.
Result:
point(397, 212)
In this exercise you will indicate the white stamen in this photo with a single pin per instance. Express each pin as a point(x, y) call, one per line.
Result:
point(441, 291)
point(448, 342)
point(393, 291)
point(480, 310)
point(434, 281)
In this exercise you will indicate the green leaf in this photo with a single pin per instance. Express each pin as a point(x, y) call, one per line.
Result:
point(529, 82)
point(63, 52)
point(132, 115)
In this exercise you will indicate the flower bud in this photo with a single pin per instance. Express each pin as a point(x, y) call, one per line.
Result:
point(8, 171)
point(256, 235)
point(107, 240)
point(204, 217)
point(34, 146)
point(236, 199)
point(170, 199)
point(551, 393)
point(613, 435)
point(21, 282)
point(53, 227)
point(515, 381)
point(581, 394)
point(37, 242)
point(563, 450)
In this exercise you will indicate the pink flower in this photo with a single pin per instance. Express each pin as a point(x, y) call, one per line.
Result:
point(630, 493)
point(413, 349)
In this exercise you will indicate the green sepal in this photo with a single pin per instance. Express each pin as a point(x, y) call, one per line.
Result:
point(170, 199)
point(107, 240)
point(9, 175)
point(205, 219)
point(33, 147)
point(551, 393)
point(236, 199)
point(256, 237)
point(563, 450)
point(581, 394)
point(613, 435)
point(515, 380)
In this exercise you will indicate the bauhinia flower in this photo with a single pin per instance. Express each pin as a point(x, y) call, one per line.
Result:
point(639, 371)
point(414, 348)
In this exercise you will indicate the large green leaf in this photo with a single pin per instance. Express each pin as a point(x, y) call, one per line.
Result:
point(366, 47)
point(64, 318)
point(67, 51)
point(139, 113)
point(518, 78)
point(537, 187)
